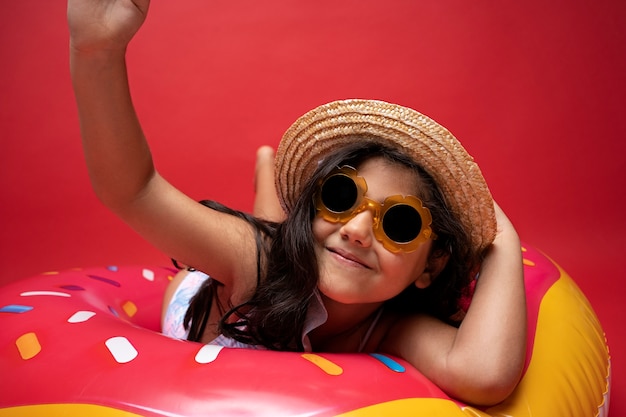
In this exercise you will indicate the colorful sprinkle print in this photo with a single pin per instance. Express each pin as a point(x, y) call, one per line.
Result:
point(105, 280)
point(89, 338)
point(324, 364)
point(122, 350)
point(208, 353)
point(15, 308)
point(388, 362)
point(81, 316)
point(129, 308)
point(28, 345)
point(46, 293)
point(148, 274)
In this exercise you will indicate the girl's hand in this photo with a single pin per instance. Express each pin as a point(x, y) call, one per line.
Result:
point(104, 25)
point(506, 230)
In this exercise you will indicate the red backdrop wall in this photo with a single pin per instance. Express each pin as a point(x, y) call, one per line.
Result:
point(535, 90)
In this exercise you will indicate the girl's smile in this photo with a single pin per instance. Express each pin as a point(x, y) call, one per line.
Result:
point(349, 258)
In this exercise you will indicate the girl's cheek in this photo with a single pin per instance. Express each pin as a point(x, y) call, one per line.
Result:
point(321, 228)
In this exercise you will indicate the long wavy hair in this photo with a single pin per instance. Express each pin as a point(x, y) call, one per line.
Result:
point(287, 272)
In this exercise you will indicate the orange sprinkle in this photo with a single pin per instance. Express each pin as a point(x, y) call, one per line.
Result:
point(130, 308)
point(528, 262)
point(28, 345)
point(324, 364)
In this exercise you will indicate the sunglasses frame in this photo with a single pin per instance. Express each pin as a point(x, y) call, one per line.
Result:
point(377, 209)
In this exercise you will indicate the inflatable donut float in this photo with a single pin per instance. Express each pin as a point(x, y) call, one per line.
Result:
point(87, 343)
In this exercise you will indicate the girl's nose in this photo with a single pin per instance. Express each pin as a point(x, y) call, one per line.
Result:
point(358, 230)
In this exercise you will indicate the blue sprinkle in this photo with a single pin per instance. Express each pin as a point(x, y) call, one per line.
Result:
point(15, 308)
point(112, 310)
point(112, 268)
point(388, 362)
point(107, 280)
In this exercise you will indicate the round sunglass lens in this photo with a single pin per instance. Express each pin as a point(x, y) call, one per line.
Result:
point(402, 223)
point(339, 193)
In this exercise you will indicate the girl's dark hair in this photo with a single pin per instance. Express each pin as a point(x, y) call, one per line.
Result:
point(287, 271)
point(200, 306)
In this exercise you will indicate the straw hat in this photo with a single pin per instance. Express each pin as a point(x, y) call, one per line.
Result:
point(329, 127)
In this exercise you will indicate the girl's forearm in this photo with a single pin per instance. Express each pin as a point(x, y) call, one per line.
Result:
point(491, 341)
point(117, 154)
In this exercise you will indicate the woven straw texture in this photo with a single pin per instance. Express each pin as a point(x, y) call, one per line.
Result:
point(331, 126)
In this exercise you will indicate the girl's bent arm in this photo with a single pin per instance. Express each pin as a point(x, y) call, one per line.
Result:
point(481, 361)
point(119, 159)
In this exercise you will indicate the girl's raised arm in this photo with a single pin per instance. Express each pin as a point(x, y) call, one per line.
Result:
point(118, 156)
point(481, 361)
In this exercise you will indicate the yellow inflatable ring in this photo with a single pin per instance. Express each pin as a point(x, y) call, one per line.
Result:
point(86, 342)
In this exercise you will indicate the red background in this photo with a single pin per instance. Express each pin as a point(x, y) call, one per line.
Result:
point(535, 91)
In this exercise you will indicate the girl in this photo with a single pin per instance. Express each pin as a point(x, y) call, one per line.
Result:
point(387, 218)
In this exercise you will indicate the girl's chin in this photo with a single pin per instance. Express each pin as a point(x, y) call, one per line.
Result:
point(347, 296)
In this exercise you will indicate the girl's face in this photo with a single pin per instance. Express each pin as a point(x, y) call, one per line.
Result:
point(354, 267)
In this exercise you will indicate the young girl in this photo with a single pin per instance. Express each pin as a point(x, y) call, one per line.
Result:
point(387, 220)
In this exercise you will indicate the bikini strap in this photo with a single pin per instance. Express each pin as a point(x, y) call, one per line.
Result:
point(368, 334)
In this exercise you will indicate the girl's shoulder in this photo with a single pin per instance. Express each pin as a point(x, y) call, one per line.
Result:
point(396, 331)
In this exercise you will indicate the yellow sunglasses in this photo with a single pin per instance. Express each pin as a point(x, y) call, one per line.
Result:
point(401, 223)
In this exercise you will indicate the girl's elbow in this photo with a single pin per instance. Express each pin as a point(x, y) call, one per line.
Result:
point(483, 387)
point(488, 393)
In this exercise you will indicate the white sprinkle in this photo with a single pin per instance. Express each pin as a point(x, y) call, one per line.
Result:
point(81, 316)
point(148, 274)
point(208, 353)
point(121, 349)
point(53, 293)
